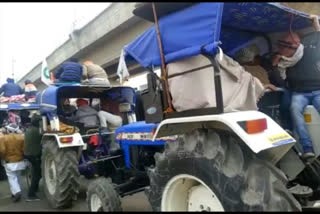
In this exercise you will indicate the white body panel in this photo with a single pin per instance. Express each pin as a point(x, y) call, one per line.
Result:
point(272, 137)
point(77, 140)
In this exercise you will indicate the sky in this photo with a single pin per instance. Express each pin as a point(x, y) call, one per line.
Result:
point(29, 32)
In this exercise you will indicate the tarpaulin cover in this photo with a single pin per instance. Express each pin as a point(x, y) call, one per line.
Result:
point(184, 33)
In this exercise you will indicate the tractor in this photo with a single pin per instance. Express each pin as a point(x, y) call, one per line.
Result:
point(201, 159)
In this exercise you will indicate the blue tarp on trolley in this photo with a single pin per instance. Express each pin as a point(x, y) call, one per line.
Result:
point(199, 28)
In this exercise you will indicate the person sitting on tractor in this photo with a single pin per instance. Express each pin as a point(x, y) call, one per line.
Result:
point(68, 110)
point(261, 67)
point(95, 74)
point(69, 71)
point(109, 113)
point(10, 88)
point(11, 153)
point(30, 91)
point(303, 77)
point(86, 114)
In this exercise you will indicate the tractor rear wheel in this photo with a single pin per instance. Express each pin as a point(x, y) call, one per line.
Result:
point(209, 171)
point(102, 197)
point(60, 174)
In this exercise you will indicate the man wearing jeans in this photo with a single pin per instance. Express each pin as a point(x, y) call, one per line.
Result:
point(304, 81)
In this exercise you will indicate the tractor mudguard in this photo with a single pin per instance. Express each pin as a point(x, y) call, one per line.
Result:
point(272, 142)
point(74, 140)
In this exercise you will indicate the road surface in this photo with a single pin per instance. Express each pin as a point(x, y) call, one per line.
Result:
point(136, 202)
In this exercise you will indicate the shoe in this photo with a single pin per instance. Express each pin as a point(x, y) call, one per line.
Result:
point(308, 155)
point(32, 198)
point(16, 197)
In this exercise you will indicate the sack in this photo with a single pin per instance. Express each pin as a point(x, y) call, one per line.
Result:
point(192, 85)
point(66, 129)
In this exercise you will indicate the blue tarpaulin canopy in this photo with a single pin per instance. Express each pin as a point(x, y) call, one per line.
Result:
point(200, 27)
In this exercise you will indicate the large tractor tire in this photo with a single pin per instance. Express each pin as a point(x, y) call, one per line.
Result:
point(209, 171)
point(102, 197)
point(60, 174)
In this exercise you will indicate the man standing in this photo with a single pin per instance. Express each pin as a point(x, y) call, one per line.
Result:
point(303, 80)
point(32, 152)
point(11, 152)
point(10, 88)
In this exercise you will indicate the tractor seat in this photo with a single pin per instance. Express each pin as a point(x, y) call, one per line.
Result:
point(270, 99)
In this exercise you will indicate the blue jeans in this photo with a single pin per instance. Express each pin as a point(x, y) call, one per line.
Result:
point(298, 104)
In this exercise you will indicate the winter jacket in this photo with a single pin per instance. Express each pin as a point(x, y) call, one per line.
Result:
point(32, 139)
point(30, 91)
point(11, 147)
point(11, 88)
point(69, 72)
point(94, 71)
point(305, 75)
point(87, 115)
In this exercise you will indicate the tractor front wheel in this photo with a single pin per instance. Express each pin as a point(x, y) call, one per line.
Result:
point(102, 197)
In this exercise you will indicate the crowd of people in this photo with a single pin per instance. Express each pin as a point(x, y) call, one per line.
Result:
point(15, 147)
point(295, 68)
point(11, 92)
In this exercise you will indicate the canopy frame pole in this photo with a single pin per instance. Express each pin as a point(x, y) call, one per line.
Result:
point(164, 73)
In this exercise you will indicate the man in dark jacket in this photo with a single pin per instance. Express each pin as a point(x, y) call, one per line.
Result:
point(10, 88)
point(32, 152)
point(303, 79)
point(70, 71)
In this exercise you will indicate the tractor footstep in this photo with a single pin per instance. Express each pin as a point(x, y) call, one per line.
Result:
point(301, 191)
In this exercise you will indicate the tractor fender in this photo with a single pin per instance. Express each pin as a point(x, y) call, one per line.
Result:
point(273, 143)
point(76, 140)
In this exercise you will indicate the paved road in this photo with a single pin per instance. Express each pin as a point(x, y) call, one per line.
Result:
point(136, 202)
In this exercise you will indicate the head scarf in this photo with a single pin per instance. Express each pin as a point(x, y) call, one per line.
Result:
point(286, 62)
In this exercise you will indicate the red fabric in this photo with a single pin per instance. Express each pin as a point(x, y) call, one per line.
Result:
point(82, 102)
point(94, 140)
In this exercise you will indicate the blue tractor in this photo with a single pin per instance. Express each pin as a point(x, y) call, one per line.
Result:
point(67, 155)
point(202, 159)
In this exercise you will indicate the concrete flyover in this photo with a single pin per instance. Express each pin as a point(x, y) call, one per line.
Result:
point(102, 39)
